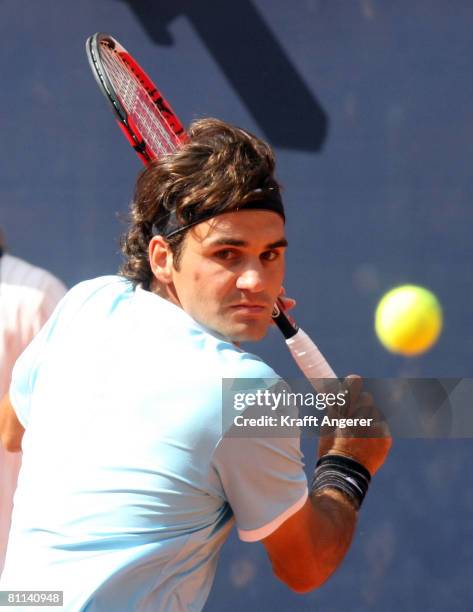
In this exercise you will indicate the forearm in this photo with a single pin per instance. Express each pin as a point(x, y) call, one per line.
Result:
point(311, 544)
point(332, 531)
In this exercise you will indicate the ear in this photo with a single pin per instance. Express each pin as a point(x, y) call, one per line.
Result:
point(160, 259)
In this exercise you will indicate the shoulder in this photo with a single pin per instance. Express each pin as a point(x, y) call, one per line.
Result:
point(97, 295)
point(242, 364)
point(188, 339)
point(102, 287)
point(227, 359)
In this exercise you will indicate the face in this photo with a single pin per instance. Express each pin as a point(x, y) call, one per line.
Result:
point(230, 272)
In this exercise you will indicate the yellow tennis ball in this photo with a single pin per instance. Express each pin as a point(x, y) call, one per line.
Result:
point(408, 320)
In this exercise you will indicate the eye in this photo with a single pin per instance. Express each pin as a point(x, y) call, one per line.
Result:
point(270, 255)
point(226, 254)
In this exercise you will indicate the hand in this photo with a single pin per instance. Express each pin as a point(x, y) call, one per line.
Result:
point(367, 445)
point(287, 302)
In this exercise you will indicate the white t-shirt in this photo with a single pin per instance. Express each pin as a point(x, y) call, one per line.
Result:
point(28, 296)
point(128, 487)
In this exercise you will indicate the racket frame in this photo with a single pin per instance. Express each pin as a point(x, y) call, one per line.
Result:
point(124, 119)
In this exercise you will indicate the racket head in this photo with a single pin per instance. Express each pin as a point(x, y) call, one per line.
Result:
point(144, 115)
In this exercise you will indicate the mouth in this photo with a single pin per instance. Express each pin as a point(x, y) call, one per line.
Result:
point(249, 309)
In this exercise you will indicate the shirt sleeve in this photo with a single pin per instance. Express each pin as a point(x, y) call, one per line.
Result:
point(263, 479)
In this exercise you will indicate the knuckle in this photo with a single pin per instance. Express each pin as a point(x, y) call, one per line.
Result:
point(366, 398)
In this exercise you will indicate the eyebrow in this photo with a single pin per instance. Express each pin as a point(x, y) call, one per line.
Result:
point(282, 242)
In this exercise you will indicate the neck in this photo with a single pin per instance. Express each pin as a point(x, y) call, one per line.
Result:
point(165, 291)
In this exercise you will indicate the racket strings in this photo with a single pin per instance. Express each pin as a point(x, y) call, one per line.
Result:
point(150, 122)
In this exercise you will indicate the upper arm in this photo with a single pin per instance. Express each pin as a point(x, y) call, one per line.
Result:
point(263, 480)
point(260, 475)
point(11, 430)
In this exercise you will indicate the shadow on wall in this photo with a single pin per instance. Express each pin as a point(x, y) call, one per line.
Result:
point(252, 60)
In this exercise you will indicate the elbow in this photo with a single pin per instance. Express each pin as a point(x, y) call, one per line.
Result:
point(301, 588)
point(304, 581)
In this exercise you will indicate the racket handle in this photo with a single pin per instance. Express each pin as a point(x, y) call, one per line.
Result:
point(308, 356)
point(304, 351)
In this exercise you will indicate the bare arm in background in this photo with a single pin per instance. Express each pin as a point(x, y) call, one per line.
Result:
point(11, 430)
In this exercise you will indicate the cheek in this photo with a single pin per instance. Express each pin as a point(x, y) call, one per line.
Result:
point(276, 278)
point(203, 289)
point(214, 280)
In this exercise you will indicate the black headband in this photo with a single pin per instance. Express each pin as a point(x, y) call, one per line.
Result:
point(270, 200)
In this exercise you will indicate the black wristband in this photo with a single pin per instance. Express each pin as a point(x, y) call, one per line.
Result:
point(344, 474)
point(345, 463)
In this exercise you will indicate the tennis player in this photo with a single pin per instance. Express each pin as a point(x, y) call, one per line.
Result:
point(28, 295)
point(129, 487)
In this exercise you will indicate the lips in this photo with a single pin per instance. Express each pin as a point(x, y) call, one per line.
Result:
point(248, 308)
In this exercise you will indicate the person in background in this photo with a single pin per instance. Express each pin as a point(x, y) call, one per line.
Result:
point(28, 296)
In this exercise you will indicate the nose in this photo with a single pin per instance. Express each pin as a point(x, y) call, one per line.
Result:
point(251, 279)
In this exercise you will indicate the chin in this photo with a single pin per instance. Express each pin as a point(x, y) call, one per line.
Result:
point(249, 333)
point(242, 330)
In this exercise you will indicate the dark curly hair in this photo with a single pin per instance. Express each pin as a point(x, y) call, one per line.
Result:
point(218, 168)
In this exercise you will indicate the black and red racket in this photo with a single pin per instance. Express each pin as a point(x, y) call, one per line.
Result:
point(145, 117)
point(152, 128)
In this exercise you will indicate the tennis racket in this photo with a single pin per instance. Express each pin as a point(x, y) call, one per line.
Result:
point(145, 117)
point(152, 129)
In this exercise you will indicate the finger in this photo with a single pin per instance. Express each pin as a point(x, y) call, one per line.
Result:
point(287, 302)
point(353, 384)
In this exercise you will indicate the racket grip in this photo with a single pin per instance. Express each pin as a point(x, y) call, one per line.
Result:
point(311, 361)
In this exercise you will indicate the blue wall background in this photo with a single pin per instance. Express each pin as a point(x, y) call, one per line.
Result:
point(368, 104)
